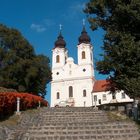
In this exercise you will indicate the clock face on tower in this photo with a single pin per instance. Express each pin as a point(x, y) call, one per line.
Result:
point(83, 47)
point(57, 51)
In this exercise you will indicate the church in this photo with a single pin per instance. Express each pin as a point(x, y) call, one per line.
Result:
point(76, 83)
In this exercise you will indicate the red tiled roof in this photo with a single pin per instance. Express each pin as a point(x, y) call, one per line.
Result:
point(100, 85)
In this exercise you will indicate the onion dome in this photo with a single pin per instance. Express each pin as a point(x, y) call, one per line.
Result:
point(60, 42)
point(84, 38)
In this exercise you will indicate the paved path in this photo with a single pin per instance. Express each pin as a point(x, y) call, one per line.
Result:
point(72, 124)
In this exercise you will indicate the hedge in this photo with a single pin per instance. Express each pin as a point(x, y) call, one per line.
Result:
point(8, 102)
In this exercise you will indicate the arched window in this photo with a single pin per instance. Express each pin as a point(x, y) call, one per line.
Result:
point(104, 97)
point(91, 56)
point(113, 96)
point(70, 91)
point(83, 55)
point(84, 93)
point(123, 95)
point(57, 59)
point(57, 95)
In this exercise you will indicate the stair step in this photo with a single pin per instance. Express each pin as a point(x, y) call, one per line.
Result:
point(74, 124)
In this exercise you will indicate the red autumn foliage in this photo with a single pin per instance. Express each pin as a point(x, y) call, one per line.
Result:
point(8, 101)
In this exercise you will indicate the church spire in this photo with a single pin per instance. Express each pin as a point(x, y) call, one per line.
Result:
point(60, 27)
point(84, 23)
point(84, 38)
point(60, 42)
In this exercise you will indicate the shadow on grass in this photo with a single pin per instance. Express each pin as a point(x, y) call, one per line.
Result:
point(5, 117)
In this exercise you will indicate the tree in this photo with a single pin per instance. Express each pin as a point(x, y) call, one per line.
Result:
point(20, 67)
point(121, 59)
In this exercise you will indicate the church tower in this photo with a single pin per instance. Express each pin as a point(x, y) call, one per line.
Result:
point(85, 52)
point(59, 52)
point(59, 56)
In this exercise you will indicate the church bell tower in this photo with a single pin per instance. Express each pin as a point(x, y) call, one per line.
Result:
point(59, 52)
point(85, 52)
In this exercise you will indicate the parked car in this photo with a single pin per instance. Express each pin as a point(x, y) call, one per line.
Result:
point(62, 104)
point(67, 103)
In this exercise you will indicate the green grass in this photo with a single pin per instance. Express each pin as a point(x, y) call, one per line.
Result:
point(14, 119)
point(138, 123)
point(117, 116)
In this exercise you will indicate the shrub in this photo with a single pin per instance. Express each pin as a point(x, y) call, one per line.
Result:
point(8, 101)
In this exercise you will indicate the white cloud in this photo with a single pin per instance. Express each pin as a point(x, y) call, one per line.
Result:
point(37, 27)
point(43, 26)
point(48, 22)
point(77, 7)
point(75, 11)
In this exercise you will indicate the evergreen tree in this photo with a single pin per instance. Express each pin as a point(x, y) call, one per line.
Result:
point(20, 67)
point(121, 59)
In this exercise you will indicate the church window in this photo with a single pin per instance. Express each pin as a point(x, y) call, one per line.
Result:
point(70, 72)
point(57, 59)
point(99, 101)
point(123, 95)
point(65, 59)
point(84, 70)
point(113, 96)
point(83, 55)
point(70, 91)
point(84, 93)
point(91, 56)
point(57, 73)
point(84, 103)
point(95, 98)
point(104, 97)
point(58, 95)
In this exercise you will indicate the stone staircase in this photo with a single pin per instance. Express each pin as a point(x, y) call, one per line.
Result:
point(73, 124)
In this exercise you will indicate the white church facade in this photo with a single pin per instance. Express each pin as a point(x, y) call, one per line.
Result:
point(76, 82)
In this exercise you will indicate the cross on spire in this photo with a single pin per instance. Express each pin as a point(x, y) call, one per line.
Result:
point(60, 27)
point(83, 22)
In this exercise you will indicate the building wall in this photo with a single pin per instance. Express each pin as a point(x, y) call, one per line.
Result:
point(80, 76)
point(63, 53)
point(66, 73)
point(87, 48)
point(109, 98)
point(78, 87)
point(71, 74)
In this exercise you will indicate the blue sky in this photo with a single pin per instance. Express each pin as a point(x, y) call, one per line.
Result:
point(38, 21)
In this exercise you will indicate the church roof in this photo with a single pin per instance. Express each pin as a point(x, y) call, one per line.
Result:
point(60, 42)
point(100, 85)
point(84, 38)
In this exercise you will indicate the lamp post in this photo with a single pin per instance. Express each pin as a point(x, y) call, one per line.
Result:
point(18, 106)
point(39, 104)
point(92, 99)
point(95, 100)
